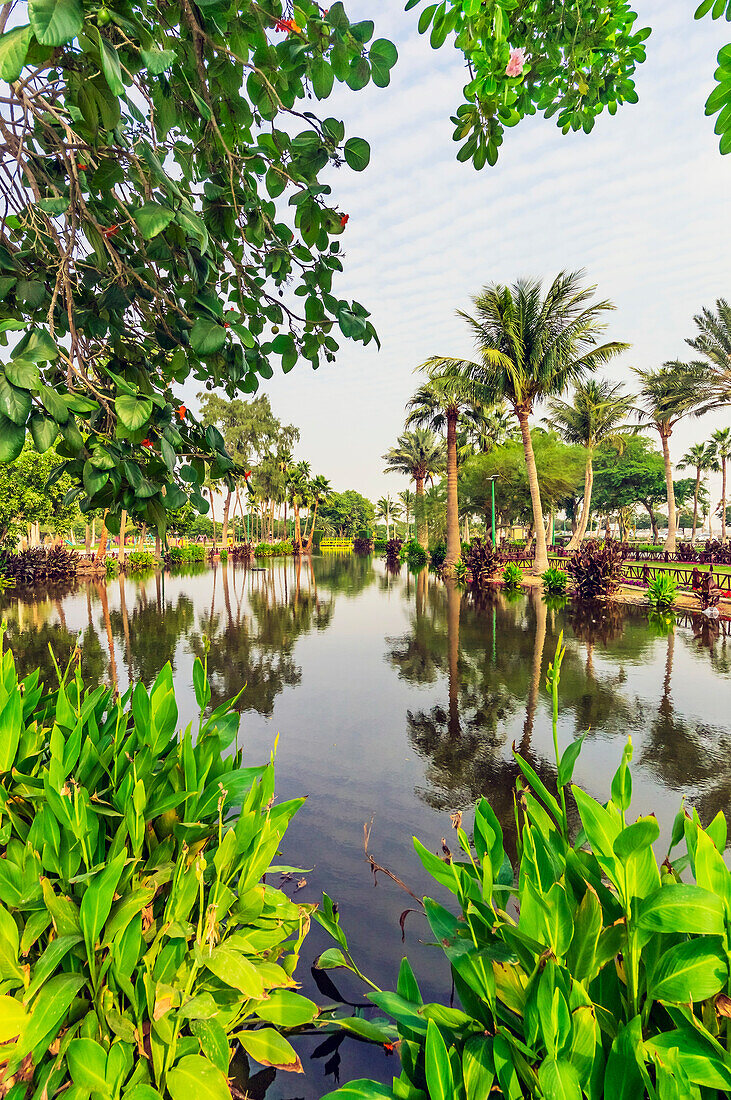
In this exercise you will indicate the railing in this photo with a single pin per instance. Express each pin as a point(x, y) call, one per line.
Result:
point(336, 544)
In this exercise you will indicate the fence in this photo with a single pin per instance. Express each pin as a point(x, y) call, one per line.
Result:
point(336, 544)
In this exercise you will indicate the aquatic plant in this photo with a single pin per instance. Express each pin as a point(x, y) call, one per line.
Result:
point(588, 969)
point(512, 575)
point(596, 569)
point(414, 554)
point(223, 554)
point(363, 545)
point(39, 563)
point(393, 552)
point(111, 567)
point(138, 943)
point(481, 560)
point(555, 581)
point(661, 591)
point(139, 561)
point(178, 555)
point(437, 554)
point(273, 549)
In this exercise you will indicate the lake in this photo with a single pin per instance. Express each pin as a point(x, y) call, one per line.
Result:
point(396, 700)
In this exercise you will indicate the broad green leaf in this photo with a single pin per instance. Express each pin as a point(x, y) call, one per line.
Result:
point(322, 78)
point(13, 50)
point(641, 834)
point(54, 404)
point(12, 438)
point(581, 956)
point(382, 55)
point(332, 959)
point(55, 22)
point(14, 403)
point(207, 337)
point(111, 67)
point(287, 1009)
point(87, 1062)
point(152, 218)
point(158, 61)
point(213, 1041)
point(96, 903)
point(439, 1078)
point(22, 374)
point(361, 1089)
point(11, 714)
point(357, 153)
point(13, 1018)
point(690, 971)
point(195, 1078)
point(235, 970)
point(478, 1068)
point(682, 908)
point(49, 1011)
point(57, 950)
point(133, 412)
point(559, 1080)
point(269, 1048)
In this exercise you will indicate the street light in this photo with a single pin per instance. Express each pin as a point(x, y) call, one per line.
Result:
point(492, 478)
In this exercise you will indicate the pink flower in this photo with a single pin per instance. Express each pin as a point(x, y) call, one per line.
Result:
point(516, 63)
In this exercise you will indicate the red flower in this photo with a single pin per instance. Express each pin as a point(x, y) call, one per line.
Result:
point(182, 411)
point(388, 1047)
point(247, 475)
point(111, 231)
point(345, 218)
point(226, 324)
point(146, 443)
point(82, 167)
point(287, 25)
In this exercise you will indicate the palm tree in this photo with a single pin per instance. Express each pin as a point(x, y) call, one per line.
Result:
point(298, 478)
point(320, 490)
point(440, 405)
point(419, 455)
point(721, 443)
point(387, 510)
point(667, 394)
point(407, 499)
point(702, 457)
point(713, 342)
point(532, 347)
point(594, 415)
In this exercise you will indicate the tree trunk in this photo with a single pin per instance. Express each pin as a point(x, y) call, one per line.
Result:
point(297, 534)
point(653, 521)
point(421, 537)
point(540, 563)
point(670, 540)
point(102, 547)
point(453, 601)
point(312, 529)
point(224, 532)
point(454, 549)
point(578, 536)
point(213, 517)
point(539, 643)
point(695, 504)
point(723, 501)
point(87, 539)
point(122, 528)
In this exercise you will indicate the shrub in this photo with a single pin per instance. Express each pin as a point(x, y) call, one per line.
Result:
point(39, 563)
point(481, 561)
point(661, 591)
point(273, 549)
point(609, 977)
point(512, 575)
point(460, 571)
point(414, 554)
point(437, 554)
point(179, 555)
point(111, 568)
point(137, 939)
point(223, 554)
point(240, 551)
point(393, 551)
point(379, 546)
point(140, 560)
point(555, 581)
point(685, 552)
point(705, 588)
point(596, 569)
point(363, 545)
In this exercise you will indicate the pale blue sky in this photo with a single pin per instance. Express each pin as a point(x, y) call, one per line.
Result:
point(643, 203)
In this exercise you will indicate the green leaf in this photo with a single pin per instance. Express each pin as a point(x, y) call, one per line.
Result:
point(559, 1080)
point(96, 903)
point(49, 1011)
point(641, 834)
point(207, 337)
point(439, 1079)
point(690, 971)
point(152, 218)
point(287, 1009)
point(357, 153)
point(158, 61)
point(22, 374)
point(12, 438)
point(361, 1089)
point(111, 67)
point(269, 1048)
point(681, 908)
point(235, 970)
point(195, 1078)
point(13, 50)
point(478, 1068)
point(54, 404)
point(322, 78)
point(87, 1062)
point(133, 412)
point(214, 1042)
point(382, 55)
point(12, 1018)
point(14, 403)
point(55, 22)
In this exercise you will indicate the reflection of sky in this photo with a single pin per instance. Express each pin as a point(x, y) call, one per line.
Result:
point(343, 736)
point(642, 202)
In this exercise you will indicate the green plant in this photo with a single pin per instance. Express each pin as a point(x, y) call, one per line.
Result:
point(414, 554)
point(193, 552)
point(111, 567)
point(273, 549)
point(661, 591)
point(608, 979)
point(138, 561)
point(223, 554)
point(138, 943)
point(555, 581)
point(461, 571)
point(512, 575)
point(437, 554)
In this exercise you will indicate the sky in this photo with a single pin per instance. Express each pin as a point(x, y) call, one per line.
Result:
point(643, 204)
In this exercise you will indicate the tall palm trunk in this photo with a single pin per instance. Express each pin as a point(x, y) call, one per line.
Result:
point(226, 507)
point(723, 500)
point(539, 643)
point(102, 547)
point(540, 563)
point(670, 540)
point(421, 536)
point(122, 529)
point(454, 598)
point(87, 539)
point(454, 549)
point(695, 503)
point(297, 533)
point(578, 536)
point(312, 529)
point(213, 517)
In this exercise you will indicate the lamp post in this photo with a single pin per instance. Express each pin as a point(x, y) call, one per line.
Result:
point(492, 480)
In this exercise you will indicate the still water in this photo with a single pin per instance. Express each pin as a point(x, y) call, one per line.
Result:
point(396, 701)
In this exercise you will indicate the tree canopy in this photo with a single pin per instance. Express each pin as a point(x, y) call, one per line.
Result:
point(166, 217)
point(25, 499)
point(347, 513)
